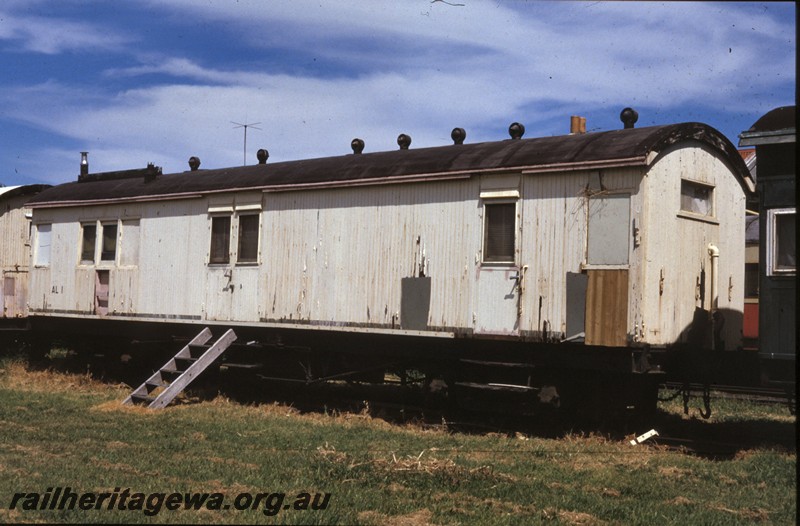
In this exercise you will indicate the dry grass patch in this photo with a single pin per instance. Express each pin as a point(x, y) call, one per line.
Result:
point(112, 406)
point(674, 472)
point(571, 517)
point(424, 463)
point(16, 375)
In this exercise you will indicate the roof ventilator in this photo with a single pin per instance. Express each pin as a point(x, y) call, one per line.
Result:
point(404, 141)
point(262, 155)
point(194, 163)
point(151, 172)
point(458, 135)
point(357, 145)
point(516, 130)
point(629, 116)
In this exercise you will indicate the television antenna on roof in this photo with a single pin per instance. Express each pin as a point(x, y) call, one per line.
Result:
point(245, 126)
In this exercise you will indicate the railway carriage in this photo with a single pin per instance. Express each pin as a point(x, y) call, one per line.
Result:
point(569, 257)
point(774, 138)
point(15, 226)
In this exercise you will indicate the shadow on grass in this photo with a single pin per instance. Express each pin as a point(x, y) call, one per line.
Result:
point(722, 437)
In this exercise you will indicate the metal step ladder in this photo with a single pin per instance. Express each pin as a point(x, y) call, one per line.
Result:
point(166, 383)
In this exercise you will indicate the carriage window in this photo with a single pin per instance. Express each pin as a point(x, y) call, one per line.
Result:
point(248, 239)
point(697, 198)
point(781, 242)
point(220, 239)
point(499, 232)
point(43, 245)
point(88, 243)
point(109, 247)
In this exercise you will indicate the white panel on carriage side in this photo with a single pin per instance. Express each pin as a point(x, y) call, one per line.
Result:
point(124, 290)
point(172, 258)
point(609, 229)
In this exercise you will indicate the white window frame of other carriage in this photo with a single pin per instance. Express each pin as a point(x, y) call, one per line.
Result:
point(772, 238)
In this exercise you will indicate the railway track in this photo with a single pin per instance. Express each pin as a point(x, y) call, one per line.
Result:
point(785, 395)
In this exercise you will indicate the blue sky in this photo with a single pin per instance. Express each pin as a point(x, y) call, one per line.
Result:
point(141, 81)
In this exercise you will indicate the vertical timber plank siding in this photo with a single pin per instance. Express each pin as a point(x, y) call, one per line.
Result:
point(607, 308)
point(337, 255)
point(14, 257)
point(555, 235)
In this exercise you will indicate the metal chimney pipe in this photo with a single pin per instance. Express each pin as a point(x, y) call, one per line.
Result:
point(84, 163)
point(577, 124)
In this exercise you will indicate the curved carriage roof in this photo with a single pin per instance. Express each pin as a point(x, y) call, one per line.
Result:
point(13, 191)
point(774, 127)
point(782, 118)
point(626, 147)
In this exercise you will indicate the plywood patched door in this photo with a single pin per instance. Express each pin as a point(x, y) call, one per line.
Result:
point(607, 307)
point(101, 291)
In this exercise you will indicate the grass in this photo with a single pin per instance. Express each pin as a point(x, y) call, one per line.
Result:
point(61, 429)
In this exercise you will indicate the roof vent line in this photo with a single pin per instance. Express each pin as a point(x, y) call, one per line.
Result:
point(404, 141)
point(516, 130)
point(629, 116)
point(262, 155)
point(357, 145)
point(458, 135)
point(194, 163)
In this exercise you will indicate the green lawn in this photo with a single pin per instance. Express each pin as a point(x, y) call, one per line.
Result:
point(59, 430)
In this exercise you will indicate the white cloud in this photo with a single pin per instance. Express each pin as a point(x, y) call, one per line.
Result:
point(52, 36)
point(414, 67)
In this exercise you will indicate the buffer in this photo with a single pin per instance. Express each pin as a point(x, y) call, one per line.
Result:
point(166, 383)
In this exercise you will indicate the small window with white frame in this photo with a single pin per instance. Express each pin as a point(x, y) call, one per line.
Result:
point(499, 231)
point(43, 242)
point(697, 198)
point(781, 242)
